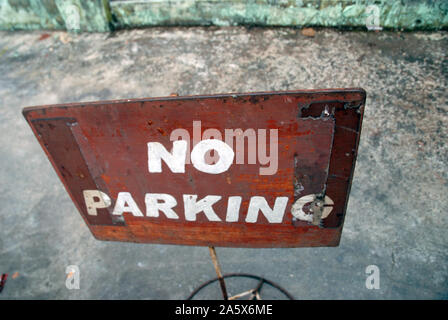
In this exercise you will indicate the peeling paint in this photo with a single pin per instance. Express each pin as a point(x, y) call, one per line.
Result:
point(318, 209)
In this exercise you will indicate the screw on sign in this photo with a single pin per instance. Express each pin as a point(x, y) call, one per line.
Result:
point(270, 169)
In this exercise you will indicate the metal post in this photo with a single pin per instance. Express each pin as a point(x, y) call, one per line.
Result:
point(218, 272)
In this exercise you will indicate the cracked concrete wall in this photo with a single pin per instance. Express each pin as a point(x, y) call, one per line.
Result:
point(106, 15)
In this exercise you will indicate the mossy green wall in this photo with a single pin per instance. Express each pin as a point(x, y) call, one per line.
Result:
point(76, 15)
point(406, 14)
point(105, 15)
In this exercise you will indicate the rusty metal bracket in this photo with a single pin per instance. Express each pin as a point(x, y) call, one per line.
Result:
point(218, 272)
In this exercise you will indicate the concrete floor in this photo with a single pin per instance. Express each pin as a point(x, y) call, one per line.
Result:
point(398, 210)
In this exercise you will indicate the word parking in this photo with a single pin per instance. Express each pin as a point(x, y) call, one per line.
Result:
point(192, 206)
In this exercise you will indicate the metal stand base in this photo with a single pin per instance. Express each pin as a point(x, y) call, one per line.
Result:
point(253, 294)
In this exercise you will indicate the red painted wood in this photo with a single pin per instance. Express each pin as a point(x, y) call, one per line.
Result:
point(103, 145)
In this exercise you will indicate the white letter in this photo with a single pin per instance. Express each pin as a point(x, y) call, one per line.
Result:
point(174, 160)
point(209, 134)
point(226, 155)
point(120, 206)
point(193, 207)
point(233, 209)
point(273, 215)
point(297, 207)
point(153, 205)
point(185, 136)
point(91, 204)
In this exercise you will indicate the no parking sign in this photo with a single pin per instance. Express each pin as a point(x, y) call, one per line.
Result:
point(269, 169)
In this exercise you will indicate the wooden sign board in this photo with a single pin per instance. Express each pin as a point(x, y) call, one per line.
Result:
point(267, 169)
